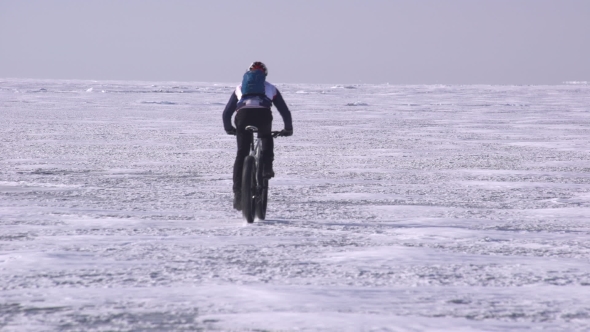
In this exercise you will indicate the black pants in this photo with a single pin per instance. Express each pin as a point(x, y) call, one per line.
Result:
point(262, 119)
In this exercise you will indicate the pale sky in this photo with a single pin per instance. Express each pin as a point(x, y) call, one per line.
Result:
point(319, 41)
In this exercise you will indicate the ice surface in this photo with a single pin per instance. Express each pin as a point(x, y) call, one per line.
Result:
point(439, 208)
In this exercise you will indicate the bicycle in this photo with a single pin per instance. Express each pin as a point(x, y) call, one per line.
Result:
point(254, 185)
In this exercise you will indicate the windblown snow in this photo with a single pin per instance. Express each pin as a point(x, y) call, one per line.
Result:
point(459, 208)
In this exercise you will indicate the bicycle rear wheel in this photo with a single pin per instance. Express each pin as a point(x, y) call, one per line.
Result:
point(262, 200)
point(248, 189)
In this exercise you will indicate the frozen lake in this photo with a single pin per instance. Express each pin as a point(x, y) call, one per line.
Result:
point(394, 208)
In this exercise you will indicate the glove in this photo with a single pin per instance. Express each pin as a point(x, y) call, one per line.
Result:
point(286, 132)
point(231, 131)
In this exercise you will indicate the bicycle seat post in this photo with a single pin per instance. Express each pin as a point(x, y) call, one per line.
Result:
point(252, 129)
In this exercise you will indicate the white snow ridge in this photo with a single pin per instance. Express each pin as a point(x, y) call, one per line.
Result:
point(576, 82)
point(429, 208)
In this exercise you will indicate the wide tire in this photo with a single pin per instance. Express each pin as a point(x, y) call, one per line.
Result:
point(262, 200)
point(249, 189)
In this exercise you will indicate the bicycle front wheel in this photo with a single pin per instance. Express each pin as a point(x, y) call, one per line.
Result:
point(262, 200)
point(249, 189)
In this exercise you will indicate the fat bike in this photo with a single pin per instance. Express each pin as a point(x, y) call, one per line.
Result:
point(254, 184)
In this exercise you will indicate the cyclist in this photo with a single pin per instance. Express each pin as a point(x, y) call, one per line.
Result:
point(254, 109)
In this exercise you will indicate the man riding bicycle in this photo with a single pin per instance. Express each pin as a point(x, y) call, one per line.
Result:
point(252, 101)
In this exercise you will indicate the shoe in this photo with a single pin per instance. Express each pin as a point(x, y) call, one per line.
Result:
point(238, 201)
point(268, 172)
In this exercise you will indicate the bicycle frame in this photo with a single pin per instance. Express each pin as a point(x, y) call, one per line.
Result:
point(256, 152)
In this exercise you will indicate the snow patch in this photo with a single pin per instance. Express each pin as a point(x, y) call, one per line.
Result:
point(158, 102)
point(357, 103)
point(343, 87)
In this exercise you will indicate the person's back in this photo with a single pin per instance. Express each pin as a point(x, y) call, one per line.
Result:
point(252, 101)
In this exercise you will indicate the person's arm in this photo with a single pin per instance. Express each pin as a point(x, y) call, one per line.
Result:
point(281, 106)
point(229, 110)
